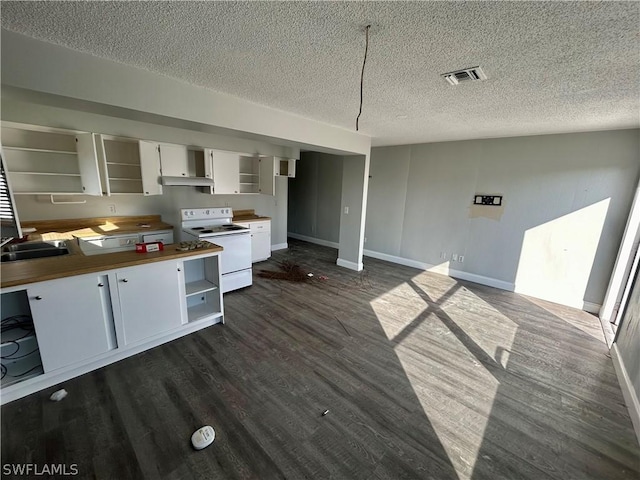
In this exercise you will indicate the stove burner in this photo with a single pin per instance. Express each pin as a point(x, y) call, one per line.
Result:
point(204, 231)
point(197, 228)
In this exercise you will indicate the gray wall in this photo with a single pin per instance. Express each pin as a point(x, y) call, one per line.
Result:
point(628, 339)
point(566, 202)
point(315, 197)
point(353, 192)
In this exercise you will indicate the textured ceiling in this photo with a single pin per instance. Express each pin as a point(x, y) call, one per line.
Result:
point(552, 66)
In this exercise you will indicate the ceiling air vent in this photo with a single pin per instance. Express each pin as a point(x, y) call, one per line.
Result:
point(472, 74)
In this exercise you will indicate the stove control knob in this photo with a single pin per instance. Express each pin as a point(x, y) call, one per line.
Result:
point(207, 212)
point(191, 213)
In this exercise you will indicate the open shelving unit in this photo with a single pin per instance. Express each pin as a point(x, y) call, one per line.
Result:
point(122, 170)
point(249, 173)
point(47, 161)
point(202, 289)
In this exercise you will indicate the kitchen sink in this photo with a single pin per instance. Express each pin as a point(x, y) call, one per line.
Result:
point(21, 247)
point(30, 250)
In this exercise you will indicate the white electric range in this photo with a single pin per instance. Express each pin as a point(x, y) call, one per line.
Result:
point(215, 225)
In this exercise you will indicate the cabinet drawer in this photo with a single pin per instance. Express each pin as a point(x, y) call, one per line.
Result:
point(96, 246)
point(260, 227)
point(164, 237)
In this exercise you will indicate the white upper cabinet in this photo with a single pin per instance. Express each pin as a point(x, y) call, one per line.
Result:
point(120, 165)
point(174, 161)
point(88, 164)
point(226, 171)
point(43, 160)
point(267, 179)
point(234, 172)
point(284, 167)
point(150, 167)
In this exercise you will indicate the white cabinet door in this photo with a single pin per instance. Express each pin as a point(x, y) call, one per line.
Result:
point(267, 179)
point(150, 168)
point(150, 300)
point(226, 172)
point(285, 167)
point(260, 246)
point(260, 239)
point(88, 164)
point(73, 319)
point(174, 160)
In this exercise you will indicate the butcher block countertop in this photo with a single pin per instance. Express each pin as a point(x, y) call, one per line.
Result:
point(23, 272)
point(92, 227)
point(247, 216)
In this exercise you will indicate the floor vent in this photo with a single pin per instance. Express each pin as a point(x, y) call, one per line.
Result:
point(472, 74)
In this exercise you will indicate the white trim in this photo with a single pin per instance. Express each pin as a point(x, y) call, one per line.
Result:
point(350, 265)
point(607, 331)
point(628, 392)
point(443, 269)
point(591, 307)
point(279, 246)
point(318, 241)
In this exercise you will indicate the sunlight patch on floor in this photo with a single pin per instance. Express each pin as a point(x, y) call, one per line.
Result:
point(454, 380)
point(397, 308)
point(465, 417)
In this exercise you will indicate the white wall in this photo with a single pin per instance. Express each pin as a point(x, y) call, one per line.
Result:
point(566, 202)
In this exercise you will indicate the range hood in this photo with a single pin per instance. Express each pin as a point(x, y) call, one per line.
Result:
point(188, 181)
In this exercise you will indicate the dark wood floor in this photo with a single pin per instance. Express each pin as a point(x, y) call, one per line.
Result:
point(424, 377)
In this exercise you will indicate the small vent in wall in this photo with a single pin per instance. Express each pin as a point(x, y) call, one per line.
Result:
point(472, 74)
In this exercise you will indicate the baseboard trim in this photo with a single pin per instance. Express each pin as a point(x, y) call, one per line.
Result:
point(443, 269)
point(279, 246)
point(628, 392)
point(350, 265)
point(317, 241)
point(591, 307)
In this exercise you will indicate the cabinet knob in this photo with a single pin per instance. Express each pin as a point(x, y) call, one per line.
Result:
point(101, 284)
point(179, 270)
point(38, 297)
point(125, 280)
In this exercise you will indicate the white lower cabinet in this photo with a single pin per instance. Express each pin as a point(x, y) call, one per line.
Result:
point(149, 299)
point(260, 239)
point(73, 319)
point(84, 322)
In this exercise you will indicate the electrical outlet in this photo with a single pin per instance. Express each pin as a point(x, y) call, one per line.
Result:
point(454, 257)
point(443, 255)
point(112, 208)
point(346, 210)
point(365, 239)
point(460, 258)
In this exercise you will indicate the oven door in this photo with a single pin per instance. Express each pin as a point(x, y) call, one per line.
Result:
point(237, 251)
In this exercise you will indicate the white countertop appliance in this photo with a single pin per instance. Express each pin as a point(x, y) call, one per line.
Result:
point(214, 225)
point(100, 244)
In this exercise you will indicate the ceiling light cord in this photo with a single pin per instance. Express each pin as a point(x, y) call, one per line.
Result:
point(364, 62)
